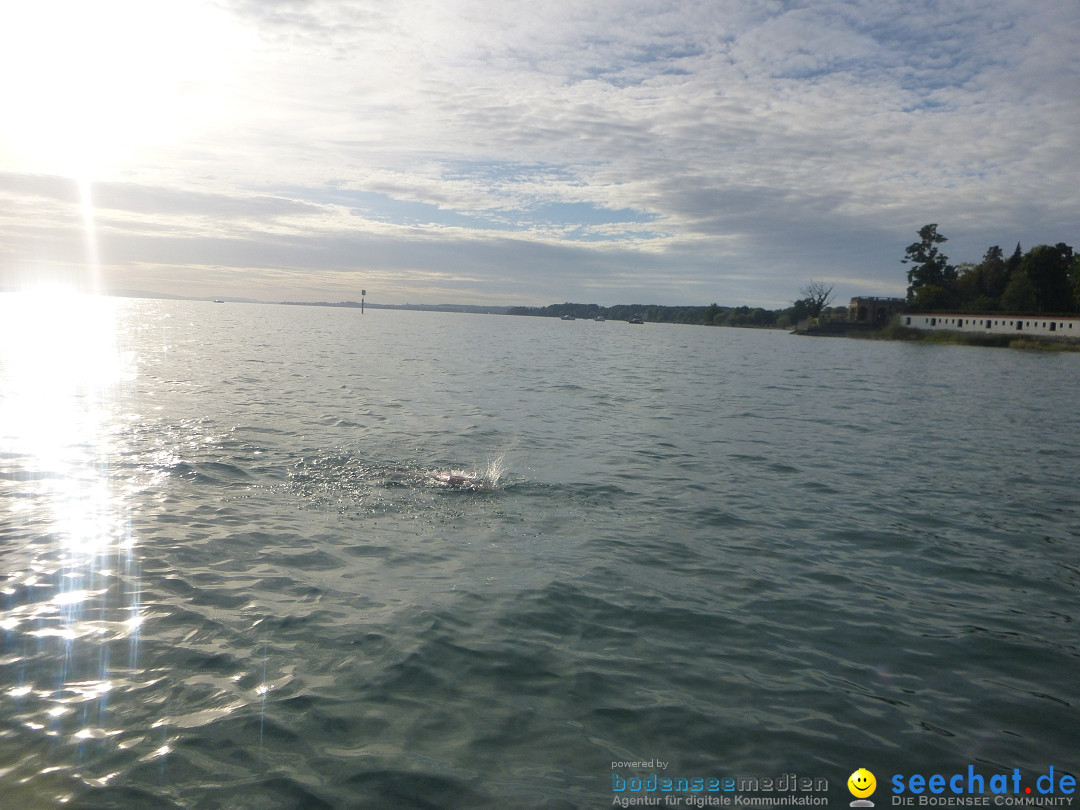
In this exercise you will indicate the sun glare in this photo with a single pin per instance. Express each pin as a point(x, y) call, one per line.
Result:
point(60, 365)
point(91, 86)
point(61, 428)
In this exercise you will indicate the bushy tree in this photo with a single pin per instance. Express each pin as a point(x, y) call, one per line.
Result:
point(798, 311)
point(1074, 274)
point(994, 273)
point(1014, 261)
point(1019, 296)
point(980, 286)
point(931, 279)
point(1048, 268)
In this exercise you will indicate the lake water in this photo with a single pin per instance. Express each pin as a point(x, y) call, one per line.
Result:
point(229, 576)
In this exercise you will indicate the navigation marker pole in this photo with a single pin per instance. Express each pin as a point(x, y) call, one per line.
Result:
point(362, 294)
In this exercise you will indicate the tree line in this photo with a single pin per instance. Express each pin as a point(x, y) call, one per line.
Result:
point(815, 300)
point(1046, 279)
point(712, 315)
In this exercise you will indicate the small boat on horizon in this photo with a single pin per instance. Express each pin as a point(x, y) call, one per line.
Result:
point(569, 318)
point(636, 319)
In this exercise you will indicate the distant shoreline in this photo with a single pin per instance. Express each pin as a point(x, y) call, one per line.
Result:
point(942, 337)
point(478, 309)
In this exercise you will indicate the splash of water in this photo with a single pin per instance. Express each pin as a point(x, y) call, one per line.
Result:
point(486, 478)
point(495, 470)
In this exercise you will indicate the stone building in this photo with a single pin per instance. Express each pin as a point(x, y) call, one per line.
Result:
point(877, 311)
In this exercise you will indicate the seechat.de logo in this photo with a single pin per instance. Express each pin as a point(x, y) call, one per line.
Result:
point(862, 784)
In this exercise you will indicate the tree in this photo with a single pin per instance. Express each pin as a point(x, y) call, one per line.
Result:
point(995, 275)
point(816, 296)
point(1014, 260)
point(979, 287)
point(1048, 270)
point(1020, 297)
point(969, 285)
point(931, 279)
point(1074, 275)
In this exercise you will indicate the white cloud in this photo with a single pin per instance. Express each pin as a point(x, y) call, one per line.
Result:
point(737, 140)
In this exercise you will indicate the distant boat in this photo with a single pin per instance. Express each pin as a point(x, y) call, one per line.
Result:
point(636, 319)
point(218, 301)
point(569, 318)
point(600, 318)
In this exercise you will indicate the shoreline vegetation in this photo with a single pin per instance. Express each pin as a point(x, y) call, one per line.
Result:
point(940, 337)
point(1044, 281)
point(745, 317)
point(832, 322)
point(711, 315)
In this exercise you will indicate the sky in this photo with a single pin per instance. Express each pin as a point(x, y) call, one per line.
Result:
point(511, 152)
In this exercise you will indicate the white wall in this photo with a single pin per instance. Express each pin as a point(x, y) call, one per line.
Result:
point(995, 324)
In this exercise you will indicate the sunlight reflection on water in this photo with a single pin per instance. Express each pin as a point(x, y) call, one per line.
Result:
point(70, 588)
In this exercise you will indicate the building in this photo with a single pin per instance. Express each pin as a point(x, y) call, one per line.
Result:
point(1040, 325)
point(876, 311)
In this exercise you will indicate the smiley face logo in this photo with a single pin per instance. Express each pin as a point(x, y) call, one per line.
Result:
point(861, 783)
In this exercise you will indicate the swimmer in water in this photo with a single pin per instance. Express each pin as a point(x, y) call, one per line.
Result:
point(459, 479)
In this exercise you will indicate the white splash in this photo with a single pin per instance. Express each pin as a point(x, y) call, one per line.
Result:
point(483, 480)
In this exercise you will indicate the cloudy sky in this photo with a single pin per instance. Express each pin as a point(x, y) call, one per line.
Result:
point(497, 151)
